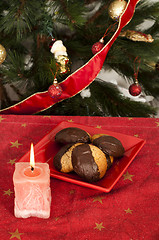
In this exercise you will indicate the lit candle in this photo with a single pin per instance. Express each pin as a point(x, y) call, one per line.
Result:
point(32, 189)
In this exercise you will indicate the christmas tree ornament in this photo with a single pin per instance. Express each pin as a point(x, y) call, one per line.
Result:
point(116, 8)
point(2, 54)
point(98, 46)
point(61, 56)
point(55, 89)
point(136, 36)
point(157, 66)
point(64, 63)
point(135, 89)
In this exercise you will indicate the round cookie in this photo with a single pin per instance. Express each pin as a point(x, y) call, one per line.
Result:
point(89, 162)
point(63, 159)
point(72, 135)
point(97, 135)
point(110, 160)
point(109, 145)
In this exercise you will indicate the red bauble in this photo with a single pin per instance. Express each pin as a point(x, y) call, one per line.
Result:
point(97, 47)
point(135, 89)
point(55, 90)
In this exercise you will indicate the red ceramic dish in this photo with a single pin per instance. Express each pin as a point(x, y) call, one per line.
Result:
point(46, 149)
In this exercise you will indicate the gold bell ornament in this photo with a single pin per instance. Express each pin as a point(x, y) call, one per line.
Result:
point(116, 8)
point(2, 54)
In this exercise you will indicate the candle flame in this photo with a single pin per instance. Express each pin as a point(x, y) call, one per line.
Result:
point(32, 159)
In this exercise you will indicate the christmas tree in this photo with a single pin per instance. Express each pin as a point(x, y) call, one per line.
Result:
point(30, 29)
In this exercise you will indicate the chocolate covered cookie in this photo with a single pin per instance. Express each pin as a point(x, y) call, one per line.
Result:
point(109, 145)
point(63, 159)
point(89, 162)
point(72, 135)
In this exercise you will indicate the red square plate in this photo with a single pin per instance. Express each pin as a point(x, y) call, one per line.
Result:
point(47, 148)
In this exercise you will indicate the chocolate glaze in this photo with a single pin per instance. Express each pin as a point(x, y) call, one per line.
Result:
point(58, 156)
point(72, 135)
point(109, 163)
point(109, 145)
point(84, 164)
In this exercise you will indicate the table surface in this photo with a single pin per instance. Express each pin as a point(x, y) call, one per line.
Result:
point(128, 212)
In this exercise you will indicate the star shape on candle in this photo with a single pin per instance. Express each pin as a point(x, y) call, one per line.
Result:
point(70, 120)
point(136, 135)
point(128, 210)
point(99, 226)
point(16, 144)
point(1, 118)
point(12, 161)
point(128, 176)
point(15, 234)
point(98, 198)
point(157, 124)
point(98, 126)
point(23, 125)
point(8, 192)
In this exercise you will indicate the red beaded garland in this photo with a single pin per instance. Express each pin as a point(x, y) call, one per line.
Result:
point(55, 90)
point(97, 47)
point(135, 89)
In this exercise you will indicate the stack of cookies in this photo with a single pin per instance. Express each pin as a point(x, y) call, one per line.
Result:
point(89, 156)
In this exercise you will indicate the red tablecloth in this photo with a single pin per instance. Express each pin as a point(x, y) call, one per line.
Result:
point(129, 212)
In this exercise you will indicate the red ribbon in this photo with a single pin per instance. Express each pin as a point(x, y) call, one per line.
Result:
point(78, 80)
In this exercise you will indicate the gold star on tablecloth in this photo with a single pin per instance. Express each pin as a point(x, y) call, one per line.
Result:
point(130, 118)
point(72, 191)
point(23, 125)
point(128, 210)
point(70, 120)
point(98, 126)
point(128, 176)
point(157, 124)
point(1, 118)
point(12, 161)
point(16, 234)
point(99, 226)
point(46, 116)
point(16, 144)
point(56, 219)
point(136, 135)
point(157, 164)
point(98, 198)
point(8, 192)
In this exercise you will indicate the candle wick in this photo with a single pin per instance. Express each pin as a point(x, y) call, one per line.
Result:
point(32, 168)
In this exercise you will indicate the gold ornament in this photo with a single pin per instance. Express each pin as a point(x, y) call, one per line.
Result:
point(137, 36)
point(64, 63)
point(2, 54)
point(116, 8)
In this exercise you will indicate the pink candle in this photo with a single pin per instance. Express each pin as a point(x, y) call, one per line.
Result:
point(32, 189)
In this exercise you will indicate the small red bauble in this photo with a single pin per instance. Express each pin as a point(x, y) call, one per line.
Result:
point(97, 47)
point(135, 89)
point(55, 90)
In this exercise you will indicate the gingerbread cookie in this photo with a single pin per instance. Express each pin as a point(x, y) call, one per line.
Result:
point(109, 145)
point(72, 135)
point(89, 162)
point(63, 159)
